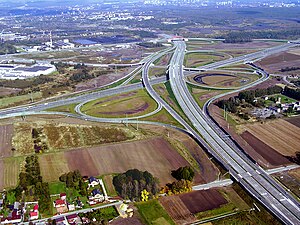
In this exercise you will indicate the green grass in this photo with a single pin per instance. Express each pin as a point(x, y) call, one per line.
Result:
point(153, 213)
point(64, 108)
point(163, 116)
point(19, 99)
point(120, 105)
point(57, 188)
point(11, 197)
point(284, 99)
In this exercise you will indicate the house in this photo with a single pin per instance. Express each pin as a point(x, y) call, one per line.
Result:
point(85, 220)
point(97, 194)
point(61, 221)
point(14, 217)
point(59, 203)
point(33, 215)
point(1, 204)
point(71, 207)
point(36, 208)
point(63, 196)
point(73, 219)
point(93, 181)
point(96, 197)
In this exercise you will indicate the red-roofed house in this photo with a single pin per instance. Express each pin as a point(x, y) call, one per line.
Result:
point(33, 215)
point(63, 196)
point(59, 203)
point(36, 208)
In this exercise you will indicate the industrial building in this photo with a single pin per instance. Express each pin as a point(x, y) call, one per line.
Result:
point(17, 71)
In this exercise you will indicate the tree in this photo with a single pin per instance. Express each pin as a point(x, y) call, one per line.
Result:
point(185, 173)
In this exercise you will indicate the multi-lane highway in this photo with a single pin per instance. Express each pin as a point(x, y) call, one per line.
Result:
point(251, 176)
point(244, 171)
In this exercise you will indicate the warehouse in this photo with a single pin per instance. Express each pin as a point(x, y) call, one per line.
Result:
point(15, 71)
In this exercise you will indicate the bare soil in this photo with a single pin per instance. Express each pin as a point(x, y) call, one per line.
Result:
point(81, 160)
point(294, 120)
point(177, 209)
point(1, 175)
point(6, 134)
point(279, 134)
point(274, 63)
point(103, 79)
point(216, 113)
point(7, 91)
point(155, 155)
point(208, 199)
point(268, 153)
point(53, 166)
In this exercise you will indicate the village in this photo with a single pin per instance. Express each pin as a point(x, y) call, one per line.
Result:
point(65, 211)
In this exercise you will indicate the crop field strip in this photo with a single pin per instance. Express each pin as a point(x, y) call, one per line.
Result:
point(267, 152)
point(6, 134)
point(281, 135)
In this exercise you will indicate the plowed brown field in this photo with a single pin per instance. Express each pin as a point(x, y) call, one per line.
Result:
point(52, 166)
point(268, 153)
point(80, 159)
point(281, 135)
point(295, 121)
point(200, 201)
point(177, 210)
point(1, 175)
point(155, 155)
point(6, 134)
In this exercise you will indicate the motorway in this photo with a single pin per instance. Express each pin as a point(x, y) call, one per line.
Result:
point(251, 176)
point(244, 171)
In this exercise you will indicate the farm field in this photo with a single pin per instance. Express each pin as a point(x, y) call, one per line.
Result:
point(4, 91)
point(267, 152)
point(11, 171)
point(155, 155)
point(153, 213)
point(22, 139)
point(108, 181)
point(177, 210)
point(132, 104)
point(209, 199)
point(6, 134)
point(281, 135)
point(1, 174)
point(190, 207)
point(294, 120)
point(274, 63)
point(52, 166)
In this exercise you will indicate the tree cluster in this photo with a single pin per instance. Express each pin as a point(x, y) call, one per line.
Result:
point(183, 173)
point(38, 146)
point(287, 69)
point(150, 45)
point(130, 184)
point(74, 179)
point(32, 178)
point(177, 187)
point(292, 92)
point(232, 103)
point(6, 48)
point(247, 36)
point(295, 159)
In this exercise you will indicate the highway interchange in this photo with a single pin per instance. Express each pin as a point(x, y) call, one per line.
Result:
point(252, 177)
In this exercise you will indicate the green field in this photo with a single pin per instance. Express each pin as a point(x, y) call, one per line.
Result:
point(201, 59)
point(128, 104)
point(64, 108)
point(153, 213)
point(8, 101)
